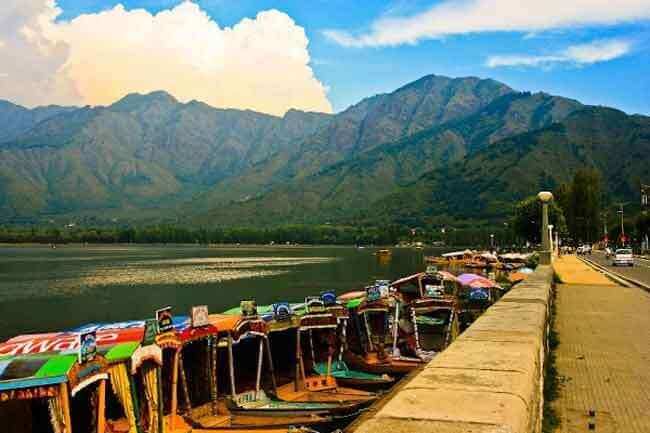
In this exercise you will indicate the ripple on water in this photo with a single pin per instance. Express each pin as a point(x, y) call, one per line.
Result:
point(196, 270)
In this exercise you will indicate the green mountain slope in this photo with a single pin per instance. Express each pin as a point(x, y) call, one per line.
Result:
point(16, 120)
point(485, 185)
point(437, 150)
point(144, 151)
point(338, 191)
point(430, 101)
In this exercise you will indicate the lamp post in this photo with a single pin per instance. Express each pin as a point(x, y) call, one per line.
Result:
point(545, 254)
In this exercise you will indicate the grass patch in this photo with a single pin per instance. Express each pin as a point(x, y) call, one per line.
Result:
point(551, 420)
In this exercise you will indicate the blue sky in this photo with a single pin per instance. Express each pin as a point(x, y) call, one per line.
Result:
point(360, 48)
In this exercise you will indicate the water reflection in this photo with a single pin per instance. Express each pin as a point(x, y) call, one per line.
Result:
point(43, 289)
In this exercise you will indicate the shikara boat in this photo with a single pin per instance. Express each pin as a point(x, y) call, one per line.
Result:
point(285, 338)
point(476, 294)
point(317, 349)
point(368, 332)
point(339, 369)
point(433, 306)
point(192, 359)
point(452, 258)
point(91, 380)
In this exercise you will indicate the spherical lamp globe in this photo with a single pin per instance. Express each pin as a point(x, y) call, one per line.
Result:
point(545, 196)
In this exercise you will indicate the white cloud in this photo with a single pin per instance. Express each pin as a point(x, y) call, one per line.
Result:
point(583, 54)
point(451, 17)
point(260, 64)
point(32, 61)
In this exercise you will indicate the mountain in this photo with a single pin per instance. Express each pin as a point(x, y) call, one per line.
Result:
point(142, 152)
point(432, 100)
point(16, 120)
point(340, 190)
point(438, 150)
point(486, 185)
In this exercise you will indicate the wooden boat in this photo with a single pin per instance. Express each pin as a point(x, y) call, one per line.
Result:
point(452, 258)
point(67, 374)
point(476, 294)
point(318, 329)
point(368, 333)
point(191, 354)
point(285, 338)
point(432, 299)
point(339, 369)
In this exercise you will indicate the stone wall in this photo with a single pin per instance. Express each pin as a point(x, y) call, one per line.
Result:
point(489, 380)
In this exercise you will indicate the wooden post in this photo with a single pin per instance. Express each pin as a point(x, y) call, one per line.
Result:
point(214, 379)
point(395, 328)
point(298, 360)
point(311, 348)
point(415, 331)
point(174, 388)
point(449, 330)
point(231, 367)
point(101, 406)
point(186, 393)
point(344, 340)
point(161, 412)
point(270, 360)
point(260, 353)
point(371, 348)
point(65, 407)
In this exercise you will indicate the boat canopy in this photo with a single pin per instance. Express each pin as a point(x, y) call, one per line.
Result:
point(465, 279)
point(29, 371)
point(456, 254)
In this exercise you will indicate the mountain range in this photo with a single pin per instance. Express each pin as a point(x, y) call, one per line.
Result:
point(436, 151)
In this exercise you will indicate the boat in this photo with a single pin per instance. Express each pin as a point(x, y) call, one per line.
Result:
point(452, 258)
point(476, 294)
point(74, 374)
point(432, 300)
point(286, 332)
point(322, 327)
point(368, 333)
point(384, 252)
point(192, 351)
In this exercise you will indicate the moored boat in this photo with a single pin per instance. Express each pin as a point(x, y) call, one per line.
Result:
point(369, 334)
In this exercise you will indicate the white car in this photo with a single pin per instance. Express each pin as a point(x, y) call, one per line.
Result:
point(623, 257)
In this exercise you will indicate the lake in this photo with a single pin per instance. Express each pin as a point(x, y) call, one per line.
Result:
point(44, 289)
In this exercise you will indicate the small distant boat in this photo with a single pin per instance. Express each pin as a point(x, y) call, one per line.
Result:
point(383, 252)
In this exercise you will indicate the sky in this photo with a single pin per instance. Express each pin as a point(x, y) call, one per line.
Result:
point(319, 55)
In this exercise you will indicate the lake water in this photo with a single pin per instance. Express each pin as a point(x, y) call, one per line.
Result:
point(44, 289)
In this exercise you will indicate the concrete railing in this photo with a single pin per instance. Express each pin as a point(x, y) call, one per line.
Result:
point(489, 380)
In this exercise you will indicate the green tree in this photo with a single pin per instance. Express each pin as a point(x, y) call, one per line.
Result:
point(527, 219)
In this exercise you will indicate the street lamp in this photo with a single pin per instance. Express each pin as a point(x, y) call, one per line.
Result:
point(545, 254)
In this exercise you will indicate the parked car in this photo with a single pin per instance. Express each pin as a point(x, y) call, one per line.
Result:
point(583, 249)
point(622, 257)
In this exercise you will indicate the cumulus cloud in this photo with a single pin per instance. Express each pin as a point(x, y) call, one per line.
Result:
point(582, 54)
point(261, 64)
point(30, 63)
point(454, 17)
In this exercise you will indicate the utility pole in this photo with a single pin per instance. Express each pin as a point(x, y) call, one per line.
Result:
point(622, 225)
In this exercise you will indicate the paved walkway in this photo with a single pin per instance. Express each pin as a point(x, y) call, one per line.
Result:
point(603, 358)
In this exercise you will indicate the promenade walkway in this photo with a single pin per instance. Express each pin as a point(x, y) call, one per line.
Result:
point(603, 359)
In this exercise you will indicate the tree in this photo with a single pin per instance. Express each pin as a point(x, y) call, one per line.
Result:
point(580, 201)
point(527, 219)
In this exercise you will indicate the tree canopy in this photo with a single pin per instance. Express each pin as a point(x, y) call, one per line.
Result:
point(527, 219)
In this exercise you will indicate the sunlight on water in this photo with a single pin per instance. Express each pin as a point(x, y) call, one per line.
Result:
point(193, 270)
